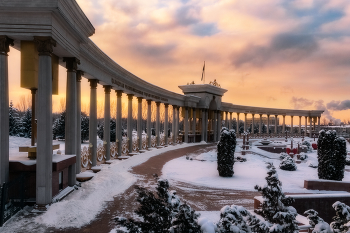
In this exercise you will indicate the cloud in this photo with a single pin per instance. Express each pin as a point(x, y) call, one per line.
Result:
point(205, 29)
point(300, 103)
point(282, 48)
point(187, 15)
point(339, 105)
point(319, 105)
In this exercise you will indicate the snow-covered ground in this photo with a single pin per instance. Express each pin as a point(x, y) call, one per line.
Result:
point(202, 171)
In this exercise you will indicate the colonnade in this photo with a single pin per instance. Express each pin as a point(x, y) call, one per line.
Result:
point(310, 124)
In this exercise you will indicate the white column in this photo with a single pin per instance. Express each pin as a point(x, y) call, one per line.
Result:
point(166, 123)
point(245, 122)
point(186, 124)
point(219, 125)
point(318, 124)
point(215, 125)
point(93, 121)
point(44, 145)
point(310, 127)
point(173, 125)
point(78, 116)
point(118, 122)
point(129, 123)
point(291, 125)
point(206, 125)
point(177, 121)
point(305, 133)
point(71, 111)
point(139, 122)
point(253, 124)
point(194, 122)
point(237, 127)
point(268, 125)
point(107, 122)
point(158, 123)
point(5, 42)
point(230, 122)
point(276, 116)
point(149, 131)
point(260, 124)
point(226, 121)
point(203, 125)
point(299, 125)
point(284, 124)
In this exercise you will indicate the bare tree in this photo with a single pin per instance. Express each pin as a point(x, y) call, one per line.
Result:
point(25, 102)
point(62, 105)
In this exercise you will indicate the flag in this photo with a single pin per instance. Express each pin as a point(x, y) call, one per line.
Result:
point(203, 71)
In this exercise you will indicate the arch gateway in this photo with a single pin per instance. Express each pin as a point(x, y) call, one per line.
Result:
point(57, 33)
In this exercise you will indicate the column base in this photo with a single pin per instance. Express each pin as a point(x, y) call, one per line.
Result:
point(40, 208)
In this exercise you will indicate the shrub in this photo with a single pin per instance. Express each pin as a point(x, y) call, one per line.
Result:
point(308, 145)
point(226, 151)
point(341, 221)
point(319, 225)
point(283, 155)
point(288, 164)
point(331, 156)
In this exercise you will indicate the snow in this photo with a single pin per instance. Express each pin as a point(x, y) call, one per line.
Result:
point(246, 174)
point(83, 205)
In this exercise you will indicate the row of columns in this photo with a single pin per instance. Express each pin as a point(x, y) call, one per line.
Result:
point(228, 122)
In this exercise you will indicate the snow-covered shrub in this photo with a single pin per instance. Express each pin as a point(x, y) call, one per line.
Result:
point(309, 164)
point(308, 145)
point(341, 221)
point(25, 126)
point(13, 120)
point(58, 128)
point(331, 155)
point(226, 151)
point(160, 212)
point(303, 156)
point(100, 130)
point(276, 206)
point(186, 220)
point(283, 155)
point(319, 225)
point(288, 164)
point(347, 160)
point(237, 219)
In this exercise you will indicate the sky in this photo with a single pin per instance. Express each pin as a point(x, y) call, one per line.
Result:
point(269, 53)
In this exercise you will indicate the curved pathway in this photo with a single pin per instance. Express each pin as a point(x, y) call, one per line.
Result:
point(200, 198)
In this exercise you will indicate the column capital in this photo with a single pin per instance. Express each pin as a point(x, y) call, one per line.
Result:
point(245, 114)
point(139, 99)
point(166, 105)
point(300, 117)
point(5, 43)
point(276, 116)
point(44, 45)
point(130, 96)
point(158, 103)
point(80, 73)
point(71, 63)
point(149, 102)
point(292, 117)
point(119, 93)
point(238, 113)
point(260, 115)
point(268, 115)
point(253, 114)
point(93, 83)
point(107, 89)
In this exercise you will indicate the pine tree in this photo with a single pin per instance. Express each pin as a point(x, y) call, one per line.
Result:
point(341, 222)
point(276, 207)
point(84, 127)
point(226, 152)
point(331, 154)
point(185, 221)
point(25, 129)
point(100, 130)
point(13, 120)
point(58, 128)
point(319, 225)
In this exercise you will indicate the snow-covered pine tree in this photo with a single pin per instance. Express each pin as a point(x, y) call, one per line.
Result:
point(341, 221)
point(58, 128)
point(13, 120)
point(331, 155)
point(319, 225)
point(156, 212)
point(25, 129)
point(288, 164)
point(226, 152)
point(276, 207)
point(186, 220)
point(84, 127)
point(100, 130)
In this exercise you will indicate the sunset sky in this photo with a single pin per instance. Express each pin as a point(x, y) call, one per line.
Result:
point(269, 53)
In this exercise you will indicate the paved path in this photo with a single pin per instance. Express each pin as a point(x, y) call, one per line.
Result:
point(200, 198)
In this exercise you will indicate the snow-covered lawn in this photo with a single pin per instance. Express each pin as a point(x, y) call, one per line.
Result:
point(202, 170)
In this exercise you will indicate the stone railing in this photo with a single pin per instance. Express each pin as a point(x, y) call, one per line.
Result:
point(101, 148)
